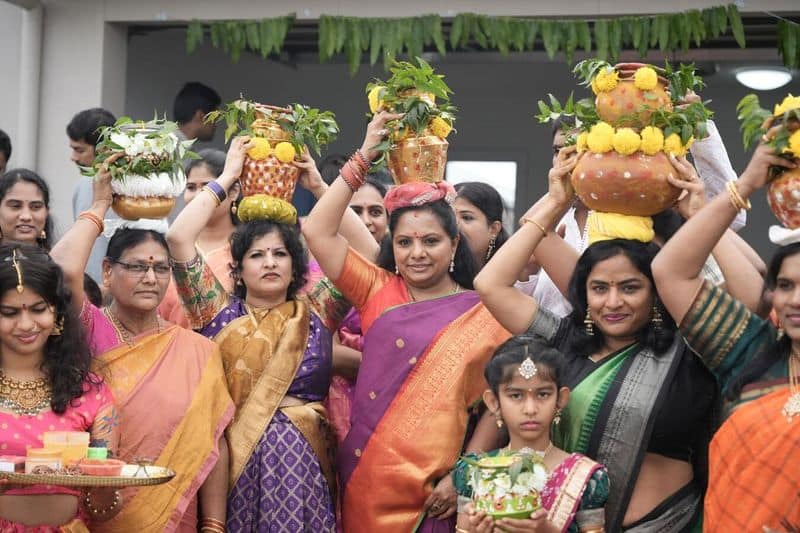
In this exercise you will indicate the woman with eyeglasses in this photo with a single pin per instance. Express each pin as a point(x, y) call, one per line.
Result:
point(168, 381)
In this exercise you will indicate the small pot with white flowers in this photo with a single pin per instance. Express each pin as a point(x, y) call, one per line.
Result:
point(508, 485)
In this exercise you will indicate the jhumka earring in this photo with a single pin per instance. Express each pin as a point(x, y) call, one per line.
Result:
point(557, 418)
point(781, 332)
point(452, 263)
point(233, 209)
point(588, 324)
point(43, 236)
point(657, 320)
point(491, 247)
point(499, 420)
point(58, 327)
point(397, 270)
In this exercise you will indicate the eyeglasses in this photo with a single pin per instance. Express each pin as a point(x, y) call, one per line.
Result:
point(140, 269)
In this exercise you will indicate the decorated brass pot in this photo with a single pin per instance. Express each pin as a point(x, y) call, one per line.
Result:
point(633, 184)
point(783, 196)
point(628, 106)
point(135, 208)
point(418, 158)
point(269, 176)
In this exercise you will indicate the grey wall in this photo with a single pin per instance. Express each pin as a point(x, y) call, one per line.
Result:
point(10, 22)
point(496, 97)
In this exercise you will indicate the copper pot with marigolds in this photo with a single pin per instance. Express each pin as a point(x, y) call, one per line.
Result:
point(269, 166)
point(416, 149)
point(781, 130)
point(629, 93)
point(634, 184)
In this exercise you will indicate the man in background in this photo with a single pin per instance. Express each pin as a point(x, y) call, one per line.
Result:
point(192, 103)
point(83, 132)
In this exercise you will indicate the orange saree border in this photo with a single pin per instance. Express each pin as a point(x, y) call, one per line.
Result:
point(420, 435)
point(754, 479)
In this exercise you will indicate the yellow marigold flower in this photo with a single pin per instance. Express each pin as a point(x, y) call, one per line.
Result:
point(673, 145)
point(601, 138)
point(789, 103)
point(626, 141)
point(260, 149)
point(645, 78)
point(606, 79)
point(794, 144)
point(373, 97)
point(652, 140)
point(580, 142)
point(595, 90)
point(440, 127)
point(285, 152)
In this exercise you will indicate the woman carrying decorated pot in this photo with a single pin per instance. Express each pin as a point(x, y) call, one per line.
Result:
point(275, 339)
point(168, 381)
point(423, 328)
point(214, 241)
point(557, 491)
point(45, 383)
point(641, 403)
point(753, 473)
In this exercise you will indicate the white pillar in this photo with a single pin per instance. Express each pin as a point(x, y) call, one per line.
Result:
point(30, 65)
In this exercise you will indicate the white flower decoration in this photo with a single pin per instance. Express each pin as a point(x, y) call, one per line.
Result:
point(121, 140)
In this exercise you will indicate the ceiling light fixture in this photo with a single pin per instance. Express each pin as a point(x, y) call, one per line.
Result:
point(763, 78)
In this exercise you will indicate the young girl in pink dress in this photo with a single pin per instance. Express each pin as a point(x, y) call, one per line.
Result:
point(46, 385)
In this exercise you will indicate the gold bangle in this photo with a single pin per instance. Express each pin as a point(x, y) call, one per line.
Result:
point(736, 198)
point(461, 530)
point(535, 223)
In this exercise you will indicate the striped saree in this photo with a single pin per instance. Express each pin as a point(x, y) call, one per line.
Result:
point(754, 478)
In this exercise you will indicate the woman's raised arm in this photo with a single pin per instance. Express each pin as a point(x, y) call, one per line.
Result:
point(495, 283)
point(677, 267)
point(72, 251)
point(183, 233)
point(321, 227)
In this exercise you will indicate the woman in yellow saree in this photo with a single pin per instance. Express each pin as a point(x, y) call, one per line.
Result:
point(167, 381)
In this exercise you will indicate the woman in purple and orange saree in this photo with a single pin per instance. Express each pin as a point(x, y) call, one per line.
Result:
point(275, 337)
point(426, 340)
point(167, 381)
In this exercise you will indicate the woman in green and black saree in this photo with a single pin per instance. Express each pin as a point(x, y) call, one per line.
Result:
point(641, 403)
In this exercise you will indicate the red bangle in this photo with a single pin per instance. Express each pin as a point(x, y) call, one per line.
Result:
point(96, 220)
point(363, 161)
point(347, 175)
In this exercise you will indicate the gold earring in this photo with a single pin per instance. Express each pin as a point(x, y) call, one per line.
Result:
point(557, 418)
point(452, 263)
point(58, 327)
point(491, 247)
point(499, 422)
point(43, 236)
point(781, 332)
point(588, 324)
point(657, 320)
point(233, 208)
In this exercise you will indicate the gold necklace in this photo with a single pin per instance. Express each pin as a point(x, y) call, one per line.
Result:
point(792, 406)
point(122, 331)
point(455, 290)
point(24, 397)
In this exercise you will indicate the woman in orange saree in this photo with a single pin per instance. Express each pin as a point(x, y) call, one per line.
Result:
point(168, 382)
point(426, 341)
point(754, 478)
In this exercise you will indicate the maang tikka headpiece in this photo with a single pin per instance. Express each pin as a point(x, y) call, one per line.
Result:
point(18, 268)
point(528, 368)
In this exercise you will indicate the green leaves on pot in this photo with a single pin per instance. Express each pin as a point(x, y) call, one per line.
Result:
point(789, 43)
point(264, 36)
point(308, 126)
point(238, 116)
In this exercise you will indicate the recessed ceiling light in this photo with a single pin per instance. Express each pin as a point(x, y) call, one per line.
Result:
point(763, 78)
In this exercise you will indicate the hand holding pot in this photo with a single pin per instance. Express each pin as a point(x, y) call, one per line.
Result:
point(757, 173)
point(377, 132)
point(102, 195)
point(694, 196)
point(234, 160)
point(559, 178)
point(310, 178)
